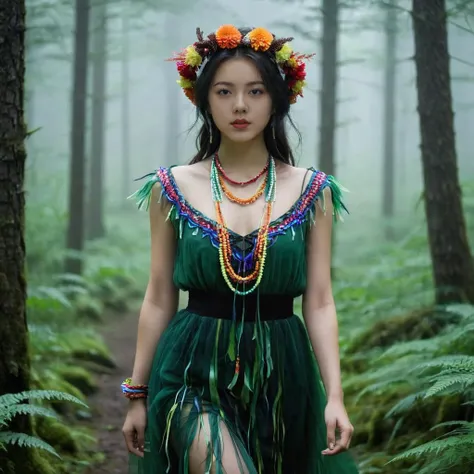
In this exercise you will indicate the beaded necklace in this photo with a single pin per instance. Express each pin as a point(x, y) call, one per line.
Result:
point(243, 202)
point(238, 183)
point(260, 251)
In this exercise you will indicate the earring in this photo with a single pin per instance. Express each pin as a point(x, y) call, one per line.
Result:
point(209, 125)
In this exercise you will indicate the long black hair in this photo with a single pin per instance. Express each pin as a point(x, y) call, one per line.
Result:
point(275, 133)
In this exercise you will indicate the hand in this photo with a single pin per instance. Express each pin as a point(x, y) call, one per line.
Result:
point(337, 420)
point(134, 427)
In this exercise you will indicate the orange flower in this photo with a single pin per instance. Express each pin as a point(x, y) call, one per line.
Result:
point(228, 37)
point(260, 39)
point(189, 93)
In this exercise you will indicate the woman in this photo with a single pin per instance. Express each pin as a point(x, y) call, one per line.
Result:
point(231, 381)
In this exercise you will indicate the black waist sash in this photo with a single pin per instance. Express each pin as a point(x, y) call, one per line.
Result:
point(221, 305)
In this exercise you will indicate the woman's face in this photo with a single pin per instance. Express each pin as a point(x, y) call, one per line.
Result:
point(239, 103)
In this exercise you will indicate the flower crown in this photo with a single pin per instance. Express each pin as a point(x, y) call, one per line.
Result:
point(191, 61)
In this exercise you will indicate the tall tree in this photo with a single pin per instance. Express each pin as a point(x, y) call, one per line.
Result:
point(453, 266)
point(329, 80)
point(390, 70)
point(125, 101)
point(95, 226)
point(14, 360)
point(328, 94)
point(75, 234)
point(172, 34)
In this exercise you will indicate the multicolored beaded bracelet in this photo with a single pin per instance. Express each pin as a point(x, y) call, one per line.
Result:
point(133, 392)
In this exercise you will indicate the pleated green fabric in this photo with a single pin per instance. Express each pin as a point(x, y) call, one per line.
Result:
point(270, 412)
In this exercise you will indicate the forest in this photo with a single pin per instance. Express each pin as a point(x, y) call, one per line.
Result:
point(88, 103)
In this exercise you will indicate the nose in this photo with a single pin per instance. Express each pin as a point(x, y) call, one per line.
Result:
point(240, 106)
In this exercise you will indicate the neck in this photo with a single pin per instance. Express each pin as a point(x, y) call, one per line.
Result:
point(249, 157)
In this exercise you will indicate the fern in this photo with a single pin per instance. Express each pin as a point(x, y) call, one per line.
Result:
point(405, 404)
point(11, 405)
point(24, 440)
point(451, 362)
point(13, 398)
point(8, 412)
point(459, 444)
point(444, 382)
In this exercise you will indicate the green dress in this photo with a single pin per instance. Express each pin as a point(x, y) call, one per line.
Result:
point(257, 377)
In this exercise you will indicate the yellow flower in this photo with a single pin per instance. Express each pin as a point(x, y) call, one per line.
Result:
point(185, 83)
point(192, 58)
point(284, 54)
point(298, 87)
point(292, 62)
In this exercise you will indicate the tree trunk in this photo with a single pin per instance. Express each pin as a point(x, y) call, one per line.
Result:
point(328, 94)
point(453, 267)
point(390, 71)
point(172, 97)
point(75, 234)
point(329, 76)
point(99, 62)
point(126, 176)
point(14, 360)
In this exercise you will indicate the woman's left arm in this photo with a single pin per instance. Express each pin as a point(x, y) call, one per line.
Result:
point(319, 313)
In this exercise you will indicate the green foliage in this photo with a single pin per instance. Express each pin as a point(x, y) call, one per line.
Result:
point(11, 405)
point(408, 366)
point(63, 310)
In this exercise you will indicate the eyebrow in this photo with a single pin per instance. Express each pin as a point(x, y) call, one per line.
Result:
point(225, 83)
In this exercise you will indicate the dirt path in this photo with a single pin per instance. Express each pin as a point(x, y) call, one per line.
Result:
point(108, 404)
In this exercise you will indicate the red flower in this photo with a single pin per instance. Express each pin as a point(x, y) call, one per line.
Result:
point(186, 71)
point(300, 72)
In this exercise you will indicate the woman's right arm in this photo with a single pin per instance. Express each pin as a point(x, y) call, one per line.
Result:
point(161, 297)
point(159, 305)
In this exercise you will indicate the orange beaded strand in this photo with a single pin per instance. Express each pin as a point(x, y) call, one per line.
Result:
point(260, 249)
point(242, 201)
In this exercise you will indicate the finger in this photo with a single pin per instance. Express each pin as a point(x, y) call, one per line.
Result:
point(331, 436)
point(130, 442)
point(342, 444)
point(141, 439)
point(351, 433)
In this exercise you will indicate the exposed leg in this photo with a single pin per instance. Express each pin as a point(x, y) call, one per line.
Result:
point(210, 445)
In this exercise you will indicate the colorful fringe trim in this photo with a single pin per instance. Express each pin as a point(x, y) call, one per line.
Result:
point(295, 216)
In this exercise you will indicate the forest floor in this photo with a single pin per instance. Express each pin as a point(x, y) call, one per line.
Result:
point(108, 405)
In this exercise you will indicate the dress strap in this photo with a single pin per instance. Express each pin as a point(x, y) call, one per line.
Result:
point(304, 181)
point(144, 193)
point(319, 182)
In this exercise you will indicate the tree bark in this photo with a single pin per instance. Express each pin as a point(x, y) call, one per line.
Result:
point(96, 227)
point(453, 268)
point(126, 176)
point(388, 190)
point(328, 95)
point(75, 233)
point(14, 359)
point(329, 79)
point(173, 95)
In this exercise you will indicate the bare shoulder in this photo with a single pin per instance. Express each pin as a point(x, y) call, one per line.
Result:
point(188, 176)
point(295, 175)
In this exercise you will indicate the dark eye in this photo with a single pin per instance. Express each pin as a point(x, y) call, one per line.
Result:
point(223, 92)
point(256, 91)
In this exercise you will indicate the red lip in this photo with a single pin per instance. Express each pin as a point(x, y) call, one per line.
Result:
point(240, 124)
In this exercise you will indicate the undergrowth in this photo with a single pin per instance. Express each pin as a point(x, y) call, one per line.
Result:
point(64, 312)
point(408, 365)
